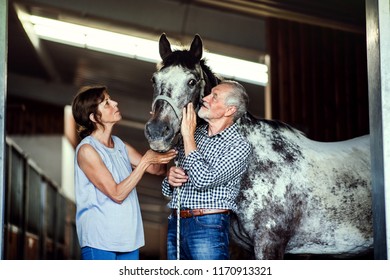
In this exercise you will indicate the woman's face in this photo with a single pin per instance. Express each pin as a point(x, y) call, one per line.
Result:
point(109, 110)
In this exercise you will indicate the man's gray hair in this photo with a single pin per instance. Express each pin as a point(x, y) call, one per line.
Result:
point(237, 97)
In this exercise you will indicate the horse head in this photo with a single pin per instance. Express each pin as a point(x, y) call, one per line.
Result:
point(181, 77)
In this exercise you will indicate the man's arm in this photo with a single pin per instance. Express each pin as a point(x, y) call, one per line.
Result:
point(228, 166)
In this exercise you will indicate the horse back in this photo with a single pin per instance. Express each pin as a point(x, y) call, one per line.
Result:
point(314, 196)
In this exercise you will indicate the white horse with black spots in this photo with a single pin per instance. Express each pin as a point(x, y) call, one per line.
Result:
point(298, 196)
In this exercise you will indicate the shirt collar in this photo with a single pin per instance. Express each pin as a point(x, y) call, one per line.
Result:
point(224, 133)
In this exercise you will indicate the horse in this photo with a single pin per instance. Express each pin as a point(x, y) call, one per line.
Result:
point(298, 196)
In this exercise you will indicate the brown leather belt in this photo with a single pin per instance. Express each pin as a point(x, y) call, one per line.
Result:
point(199, 212)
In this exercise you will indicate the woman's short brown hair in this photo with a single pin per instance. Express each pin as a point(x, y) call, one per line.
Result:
point(84, 104)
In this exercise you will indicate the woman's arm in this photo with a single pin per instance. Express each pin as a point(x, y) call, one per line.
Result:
point(135, 157)
point(92, 165)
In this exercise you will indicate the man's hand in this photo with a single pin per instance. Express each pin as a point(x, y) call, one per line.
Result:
point(188, 123)
point(176, 176)
point(188, 126)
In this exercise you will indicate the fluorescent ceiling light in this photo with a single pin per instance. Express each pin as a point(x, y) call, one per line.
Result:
point(138, 48)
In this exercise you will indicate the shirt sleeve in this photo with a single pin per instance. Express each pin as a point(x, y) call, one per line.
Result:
point(166, 188)
point(230, 164)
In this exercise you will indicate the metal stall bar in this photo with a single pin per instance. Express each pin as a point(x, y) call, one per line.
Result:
point(378, 62)
point(3, 87)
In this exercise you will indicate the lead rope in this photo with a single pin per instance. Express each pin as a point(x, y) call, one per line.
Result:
point(178, 219)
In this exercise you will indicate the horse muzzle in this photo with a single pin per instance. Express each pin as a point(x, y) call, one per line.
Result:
point(160, 135)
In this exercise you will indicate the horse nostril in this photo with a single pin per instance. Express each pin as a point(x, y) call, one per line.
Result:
point(166, 131)
point(158, 130)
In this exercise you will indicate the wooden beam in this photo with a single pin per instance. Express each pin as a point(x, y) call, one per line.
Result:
point(3, 95)
point(36, 42)
point(378, 57)
point(281, 10)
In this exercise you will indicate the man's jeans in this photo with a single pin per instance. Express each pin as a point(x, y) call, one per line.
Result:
point(201, 238)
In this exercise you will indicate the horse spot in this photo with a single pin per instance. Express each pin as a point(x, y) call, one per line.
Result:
point(287, 150)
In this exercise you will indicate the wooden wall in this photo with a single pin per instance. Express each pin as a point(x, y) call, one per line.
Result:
point(30, 117)
point(318, 79)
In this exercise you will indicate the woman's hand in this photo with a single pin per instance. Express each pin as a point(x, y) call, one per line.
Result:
point(153, 157)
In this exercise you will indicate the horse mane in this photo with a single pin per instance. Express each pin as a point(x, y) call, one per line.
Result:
point(179, 57)
point(211, 78)
point(249, 119)
point(185, 59)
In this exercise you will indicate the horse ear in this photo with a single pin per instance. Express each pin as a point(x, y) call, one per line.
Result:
point(164, 46)
point(197, 47)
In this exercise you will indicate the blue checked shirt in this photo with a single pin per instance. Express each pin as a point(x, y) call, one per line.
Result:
point(214, 170)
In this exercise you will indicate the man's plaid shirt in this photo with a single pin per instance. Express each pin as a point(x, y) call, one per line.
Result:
point(214, 170)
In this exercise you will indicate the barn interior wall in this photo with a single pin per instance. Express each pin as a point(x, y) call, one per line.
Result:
point(31, 117)
point(318, 79)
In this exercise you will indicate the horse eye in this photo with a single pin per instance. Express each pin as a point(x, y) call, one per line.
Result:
point(192, 83)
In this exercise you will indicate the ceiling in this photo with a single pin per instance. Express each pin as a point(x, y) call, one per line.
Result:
point(53, 72)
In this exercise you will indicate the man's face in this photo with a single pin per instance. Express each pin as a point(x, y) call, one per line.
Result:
point(213, 106)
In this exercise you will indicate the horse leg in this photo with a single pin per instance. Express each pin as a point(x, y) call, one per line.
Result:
point(269, 245)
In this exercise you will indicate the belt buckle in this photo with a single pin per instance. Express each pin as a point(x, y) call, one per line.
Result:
point(185, 214)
